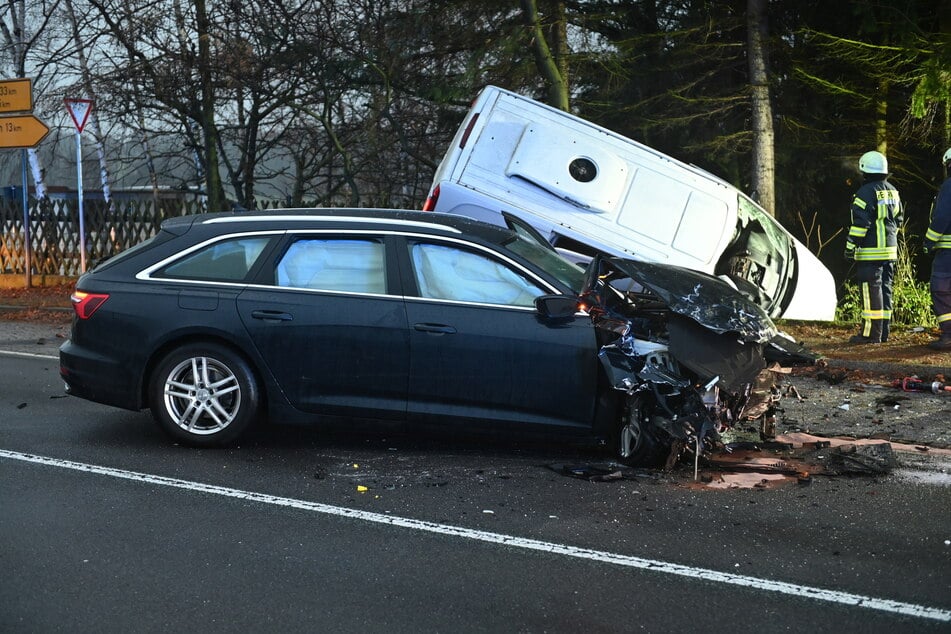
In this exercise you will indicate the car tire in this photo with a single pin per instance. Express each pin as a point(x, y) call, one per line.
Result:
point(633, 443)
point(204, 394)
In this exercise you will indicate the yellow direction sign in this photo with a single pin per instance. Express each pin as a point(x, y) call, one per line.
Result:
point(21, 131)
point(16, 95)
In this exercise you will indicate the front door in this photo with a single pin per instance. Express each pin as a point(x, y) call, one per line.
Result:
point(479, 350)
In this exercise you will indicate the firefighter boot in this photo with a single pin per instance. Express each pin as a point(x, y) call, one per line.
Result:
point(943, 343)
point(874, 334)
point(885, 324)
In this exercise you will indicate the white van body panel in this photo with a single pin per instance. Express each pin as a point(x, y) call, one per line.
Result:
point(576, 182)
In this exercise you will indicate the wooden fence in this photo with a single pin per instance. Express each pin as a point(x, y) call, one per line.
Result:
point(54, 231)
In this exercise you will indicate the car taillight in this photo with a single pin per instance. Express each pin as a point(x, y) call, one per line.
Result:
point(85, 304)
point(430, 204)
point(465, 135)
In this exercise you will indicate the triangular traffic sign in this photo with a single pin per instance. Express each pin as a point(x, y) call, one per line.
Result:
point(79, 110)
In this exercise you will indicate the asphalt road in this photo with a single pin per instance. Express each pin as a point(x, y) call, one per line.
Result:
point(106, 526)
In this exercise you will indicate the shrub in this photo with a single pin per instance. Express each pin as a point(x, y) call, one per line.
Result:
point(911, 304)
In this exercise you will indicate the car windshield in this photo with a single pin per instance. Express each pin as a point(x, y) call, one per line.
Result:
point(761, 258)
point(548, 260)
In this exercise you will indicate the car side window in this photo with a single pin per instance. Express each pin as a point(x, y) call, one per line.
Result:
point(356, 266)
point(227, 260)
point(445, 272)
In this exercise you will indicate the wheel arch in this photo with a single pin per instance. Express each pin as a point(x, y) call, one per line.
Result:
point(201, 338)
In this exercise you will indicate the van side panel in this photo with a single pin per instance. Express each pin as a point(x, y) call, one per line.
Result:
point(526, 153)
point(588, 189)
point(700, 212)
point(674, 214)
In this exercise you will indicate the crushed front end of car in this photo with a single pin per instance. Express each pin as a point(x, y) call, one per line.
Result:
point(686, 350)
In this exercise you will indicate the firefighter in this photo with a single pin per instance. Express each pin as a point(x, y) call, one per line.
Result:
point(873, 244)
point(938, 241)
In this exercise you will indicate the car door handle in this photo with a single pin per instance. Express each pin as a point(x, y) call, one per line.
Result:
point(271, 315)
point(437, 329)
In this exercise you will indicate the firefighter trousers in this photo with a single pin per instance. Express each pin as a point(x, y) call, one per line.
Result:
point(875, 279)
point(941, 289)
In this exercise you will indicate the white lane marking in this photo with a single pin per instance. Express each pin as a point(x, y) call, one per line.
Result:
point(819, 594)
point(27, 355)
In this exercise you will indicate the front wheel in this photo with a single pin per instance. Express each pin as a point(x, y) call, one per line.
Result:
point(204, 395)
point(633, 441)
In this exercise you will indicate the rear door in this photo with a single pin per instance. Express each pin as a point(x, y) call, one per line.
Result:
point(478, 349)
point(328, 318)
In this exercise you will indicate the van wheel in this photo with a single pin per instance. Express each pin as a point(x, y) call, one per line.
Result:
point(204, 395)
point(633, 441)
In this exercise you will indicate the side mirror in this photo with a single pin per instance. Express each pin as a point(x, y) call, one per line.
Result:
point(556, 306)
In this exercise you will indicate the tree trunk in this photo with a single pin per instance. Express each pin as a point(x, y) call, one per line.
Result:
point(146, 148)
point(215, 193)
point(39, 174)
point(944, 22)
point(547, 65)
point(881, 118)
point(764, 158)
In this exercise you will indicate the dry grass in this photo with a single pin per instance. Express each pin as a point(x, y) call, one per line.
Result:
point(905, 346)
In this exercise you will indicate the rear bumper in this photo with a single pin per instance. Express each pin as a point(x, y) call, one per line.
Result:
point(91, 376)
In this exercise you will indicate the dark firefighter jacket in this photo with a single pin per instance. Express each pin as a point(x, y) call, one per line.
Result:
point(938, 235)
point(876, 217)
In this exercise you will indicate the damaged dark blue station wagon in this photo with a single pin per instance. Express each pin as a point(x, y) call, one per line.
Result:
point(222, 320)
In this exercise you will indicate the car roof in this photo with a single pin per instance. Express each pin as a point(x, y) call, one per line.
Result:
point(351, 218)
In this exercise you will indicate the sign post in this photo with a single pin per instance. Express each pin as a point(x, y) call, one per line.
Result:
point(21, 130)
point(27, 250)
point(79, 110)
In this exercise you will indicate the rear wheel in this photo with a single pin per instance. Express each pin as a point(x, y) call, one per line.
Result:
point(204, 394)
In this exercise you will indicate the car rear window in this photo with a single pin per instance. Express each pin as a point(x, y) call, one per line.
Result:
point(227, 260)
point(157, 239)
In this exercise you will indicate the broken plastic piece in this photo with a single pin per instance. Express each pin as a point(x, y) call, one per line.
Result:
point(861, 459)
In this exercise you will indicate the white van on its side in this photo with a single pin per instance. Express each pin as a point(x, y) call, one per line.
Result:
point(586, 189)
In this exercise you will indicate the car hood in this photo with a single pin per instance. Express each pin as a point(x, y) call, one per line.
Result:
point(707, 300)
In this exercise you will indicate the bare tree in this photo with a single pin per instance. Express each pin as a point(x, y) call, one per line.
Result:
point(167, 47)
point(23, 31)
